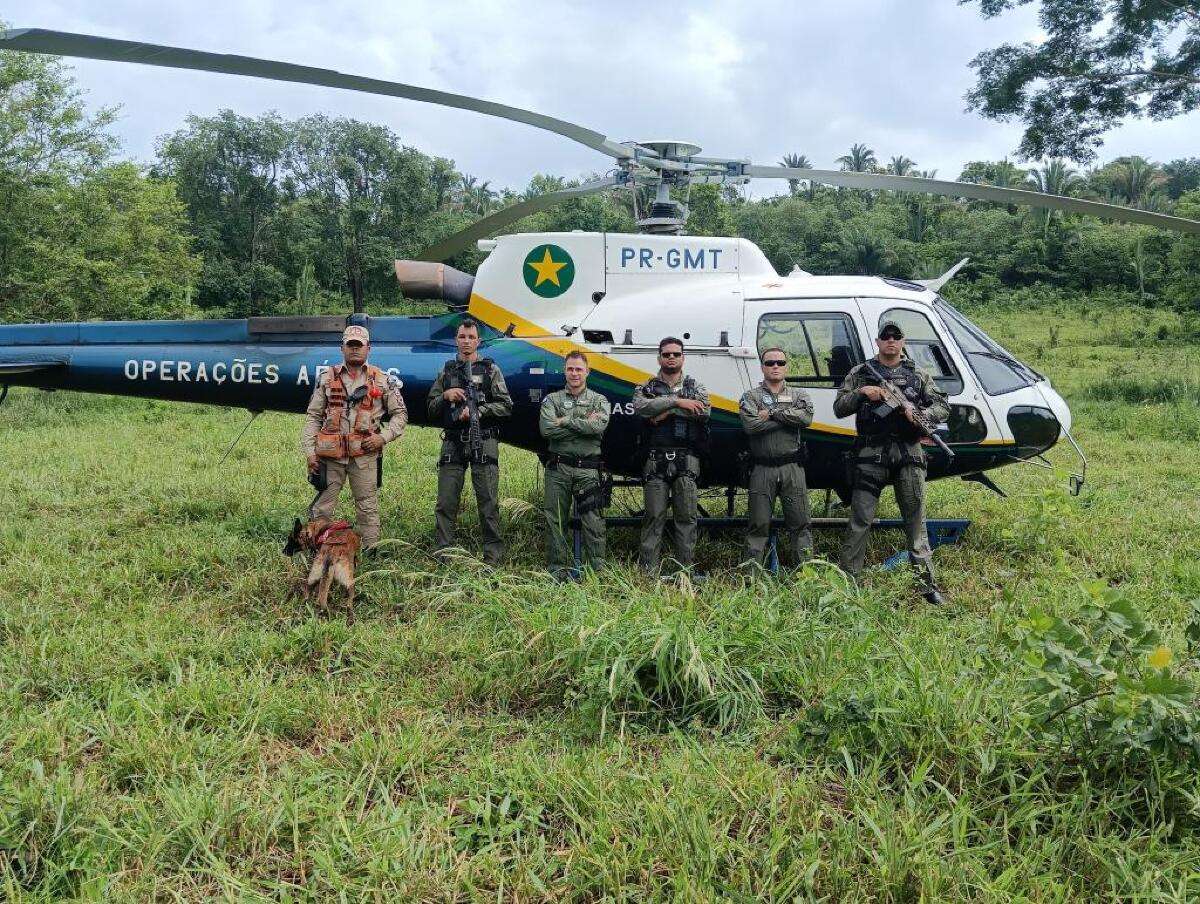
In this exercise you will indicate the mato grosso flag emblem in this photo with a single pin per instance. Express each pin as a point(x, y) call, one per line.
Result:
point(548, 271)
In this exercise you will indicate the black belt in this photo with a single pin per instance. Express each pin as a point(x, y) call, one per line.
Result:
point(554, 459)
point(670, 453)
point(670, 464)
point(463, 435)
point(777, 461)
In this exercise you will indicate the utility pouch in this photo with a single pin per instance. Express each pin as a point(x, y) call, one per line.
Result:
point(354, 444)
point(330, 445)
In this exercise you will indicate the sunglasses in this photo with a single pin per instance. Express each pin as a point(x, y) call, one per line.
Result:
point(670, 354)
point(775, 362)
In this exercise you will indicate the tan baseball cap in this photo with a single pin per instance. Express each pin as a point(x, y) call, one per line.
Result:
point(356, 333)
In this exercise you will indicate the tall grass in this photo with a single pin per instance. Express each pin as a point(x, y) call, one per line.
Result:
point(175, 725)
point(1146, 390)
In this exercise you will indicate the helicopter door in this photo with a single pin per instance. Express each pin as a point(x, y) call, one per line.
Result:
point(971, 418)
point(821, 344)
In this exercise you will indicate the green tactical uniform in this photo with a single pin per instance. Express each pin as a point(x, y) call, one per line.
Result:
point(672, 466)
point(889, 451)
point(772, 424)
point(455, 457)
point(573, 427)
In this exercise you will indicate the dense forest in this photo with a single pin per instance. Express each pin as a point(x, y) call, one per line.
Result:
point(264, 215)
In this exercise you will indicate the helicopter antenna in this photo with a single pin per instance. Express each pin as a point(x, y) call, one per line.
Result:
point(254, 413)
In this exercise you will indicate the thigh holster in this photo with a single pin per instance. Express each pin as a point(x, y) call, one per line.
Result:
point(596, 499)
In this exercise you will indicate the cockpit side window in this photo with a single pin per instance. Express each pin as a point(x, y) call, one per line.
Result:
point(925, 347)
point(821, 347)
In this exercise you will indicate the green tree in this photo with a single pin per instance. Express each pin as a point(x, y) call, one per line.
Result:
point(228, 169)
point(861, 159)
point(80, 239)
point(1055, 177)
point(1133, 181)
point(110, 245)
point(1003, 173)
point(901, 166)
point(865, 251)
point(1102, 61)
point(360, 193)
point(1182, 262)
point(1183, 175)
point(796, 161)
point(44, 126)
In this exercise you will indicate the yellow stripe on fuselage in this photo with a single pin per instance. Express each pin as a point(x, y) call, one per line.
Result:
point(501, 319)
point(535, 334)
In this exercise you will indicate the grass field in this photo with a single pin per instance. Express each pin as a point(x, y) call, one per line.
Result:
point(173, 726)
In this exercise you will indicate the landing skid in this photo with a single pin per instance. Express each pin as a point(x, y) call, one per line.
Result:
point(942, 531)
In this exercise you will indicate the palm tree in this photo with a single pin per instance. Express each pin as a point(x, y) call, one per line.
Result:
point(466, 189)
point(1136, 180)
point(1054, 178)
point(481, 198)
point(861, 159)
point(1008, 174)
point(797, 161)
point(864, 251)
point(901, 166)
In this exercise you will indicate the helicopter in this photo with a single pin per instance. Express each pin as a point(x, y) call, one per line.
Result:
point(539, 296)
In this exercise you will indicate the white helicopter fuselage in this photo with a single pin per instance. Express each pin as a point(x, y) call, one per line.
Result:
point(617, 295)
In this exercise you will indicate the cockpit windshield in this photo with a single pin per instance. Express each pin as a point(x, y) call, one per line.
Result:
point(998, 371)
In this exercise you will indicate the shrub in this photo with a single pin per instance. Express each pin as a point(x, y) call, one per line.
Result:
point(1101, 684)
point(1144, 390)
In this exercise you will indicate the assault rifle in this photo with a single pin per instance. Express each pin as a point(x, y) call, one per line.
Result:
point(894, 400)
point(474, 433)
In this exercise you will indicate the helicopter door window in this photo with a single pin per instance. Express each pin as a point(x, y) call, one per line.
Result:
point(821, 348)
point(925, 347)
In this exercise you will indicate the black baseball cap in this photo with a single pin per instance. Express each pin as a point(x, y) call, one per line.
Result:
point(890, 330)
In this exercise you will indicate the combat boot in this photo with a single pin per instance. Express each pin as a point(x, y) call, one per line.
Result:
point(933, 596)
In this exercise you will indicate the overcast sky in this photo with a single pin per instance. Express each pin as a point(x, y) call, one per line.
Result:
point(747, 79)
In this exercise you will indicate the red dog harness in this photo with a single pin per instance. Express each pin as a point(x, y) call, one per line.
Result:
point(325, 536)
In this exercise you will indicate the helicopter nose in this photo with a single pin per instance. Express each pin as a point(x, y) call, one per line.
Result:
point(1036, 428)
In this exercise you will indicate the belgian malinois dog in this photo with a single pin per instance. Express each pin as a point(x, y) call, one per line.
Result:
point(335, 546)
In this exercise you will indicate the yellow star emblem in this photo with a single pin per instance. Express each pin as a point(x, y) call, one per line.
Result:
point(547, 269)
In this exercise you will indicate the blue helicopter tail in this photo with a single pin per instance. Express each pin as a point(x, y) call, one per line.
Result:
point(267, 363)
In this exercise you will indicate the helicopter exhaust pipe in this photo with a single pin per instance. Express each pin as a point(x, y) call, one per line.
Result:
point(426, 279)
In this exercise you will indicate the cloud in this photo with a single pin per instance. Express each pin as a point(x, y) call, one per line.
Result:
point(754, 80)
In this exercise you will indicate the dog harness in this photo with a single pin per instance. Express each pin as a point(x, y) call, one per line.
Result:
point(326, 536)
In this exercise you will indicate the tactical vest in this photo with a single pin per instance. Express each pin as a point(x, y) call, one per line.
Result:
point(674, 431)
point(481, 368)
point(895, 425)
point(332, 440)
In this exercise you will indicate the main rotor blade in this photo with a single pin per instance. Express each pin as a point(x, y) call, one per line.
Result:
point(981, 192)
point(61, 43)
point(450, 246)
